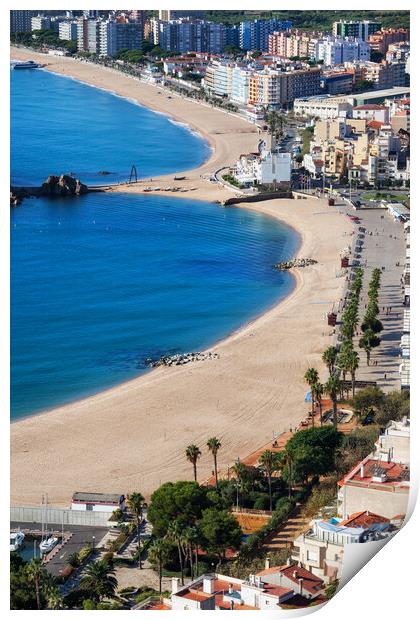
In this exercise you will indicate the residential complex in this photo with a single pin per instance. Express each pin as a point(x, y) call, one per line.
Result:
point(357, 29)
point(21, 21)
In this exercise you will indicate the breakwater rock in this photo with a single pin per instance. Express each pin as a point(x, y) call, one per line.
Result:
point(64, 185)
point(296, 262)
point(15, 198)
point(181, 359)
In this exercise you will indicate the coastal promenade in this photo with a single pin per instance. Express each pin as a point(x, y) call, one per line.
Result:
point(134, 436)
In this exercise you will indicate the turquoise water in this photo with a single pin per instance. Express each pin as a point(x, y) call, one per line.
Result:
point(101, 282)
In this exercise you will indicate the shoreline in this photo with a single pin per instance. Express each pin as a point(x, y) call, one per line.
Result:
point(133, 436)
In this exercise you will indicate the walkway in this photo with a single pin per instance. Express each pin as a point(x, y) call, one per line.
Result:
point(385, 247)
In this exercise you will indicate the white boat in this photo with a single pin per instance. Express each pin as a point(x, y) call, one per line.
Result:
point(26, 65)
point(48, 544)
point(16, 540)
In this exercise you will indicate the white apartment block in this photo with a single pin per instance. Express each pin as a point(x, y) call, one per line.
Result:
point(322, 107)
point(336, 51)
point(67, 31)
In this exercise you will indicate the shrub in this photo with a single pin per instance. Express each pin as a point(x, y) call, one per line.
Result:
point(262, 503)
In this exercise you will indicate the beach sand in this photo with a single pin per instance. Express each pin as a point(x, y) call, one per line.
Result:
point(133, 436)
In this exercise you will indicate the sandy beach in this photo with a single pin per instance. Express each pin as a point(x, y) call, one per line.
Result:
point(133, 437)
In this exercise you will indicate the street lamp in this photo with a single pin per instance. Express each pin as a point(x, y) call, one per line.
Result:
point(93, 543)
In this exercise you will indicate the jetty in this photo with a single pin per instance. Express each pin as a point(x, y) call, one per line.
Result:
point(181, 359)
point(296, 262)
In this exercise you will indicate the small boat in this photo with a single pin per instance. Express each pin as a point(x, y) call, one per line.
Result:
point(16, 540)
point(48, 544)
point(26, 65)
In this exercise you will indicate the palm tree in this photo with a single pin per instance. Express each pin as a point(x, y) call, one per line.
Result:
point(368, 341)
point(353, 365)
point(318, 392)
point(193, 453)
point(271, 462)
point(329, 358)
point(99, 579)
point(135, 503)
point(175, 535)
point(286, 460)
point(158, 553)
point(312, 378)
point(332, 388)
point(36, 573)
point(53, 597)
point(214, 444)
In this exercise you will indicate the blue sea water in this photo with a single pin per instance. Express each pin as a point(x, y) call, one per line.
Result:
point(101, 282)
point(59, 125)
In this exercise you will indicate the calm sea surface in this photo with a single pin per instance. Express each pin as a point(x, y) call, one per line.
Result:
point(101, 282)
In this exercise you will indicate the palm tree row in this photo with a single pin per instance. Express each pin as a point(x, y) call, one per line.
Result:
point(193, 453)
point(371, 325)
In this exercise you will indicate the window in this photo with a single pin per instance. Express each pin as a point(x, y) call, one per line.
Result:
point(89, 506)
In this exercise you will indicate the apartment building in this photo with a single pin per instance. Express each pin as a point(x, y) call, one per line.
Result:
point(40, 22)
point(189, 35)
point(323, 107)
point(336, 50)
point(380, 486)
point(356, 29)
point(21, 21)
point(266, 590)
point(383, 75)
point(254, 34)
point(398, 52)
point(115, 36)
point(67, 31)
point(276, 88)
point(337, 82)
point(372, 112)
point(380, 41)
point(320, 549)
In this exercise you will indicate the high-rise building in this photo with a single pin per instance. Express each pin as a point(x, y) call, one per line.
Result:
point(67, 31)
point(356, 29)
point(336, 51)
point(20, 21)
point(115, 36)
point(168, 15)
point(380, 41)
point(189, 35)
point(253, 35)
point(40, 22)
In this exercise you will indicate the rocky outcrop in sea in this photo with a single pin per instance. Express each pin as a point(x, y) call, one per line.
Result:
point(181, 359)
point(296, 262)
point(64, 185)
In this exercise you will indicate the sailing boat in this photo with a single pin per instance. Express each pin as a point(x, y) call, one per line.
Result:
point(48, 543)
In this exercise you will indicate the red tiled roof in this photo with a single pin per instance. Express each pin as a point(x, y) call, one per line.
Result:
point(370, 106)
point(276, 590)
point(393, 473)
point(374, 124)
point(310, 582)
point(194, 595)
point(363, 519)
point(268, 571)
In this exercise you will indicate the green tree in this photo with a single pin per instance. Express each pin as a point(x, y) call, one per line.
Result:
point(286, 461)
point(333, 387)
point(394, 406)
point(159, 553)
point(367, 399)
point(220, 531)
point(318, 392)
point(329, 358)
point(183, 501)
point(193, 453)
point(353, 365)
point(312, 378)
point(214, 444)
point(313, 451)
point(135, 503)
point(99, 580)
point(36, 574)
point(73, 560)
point(22, 595)
point(271, 463)
point(175, 535)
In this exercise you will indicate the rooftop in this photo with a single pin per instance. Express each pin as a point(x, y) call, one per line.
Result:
point(103, 498)
point(387, 475)
point(363, 519)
